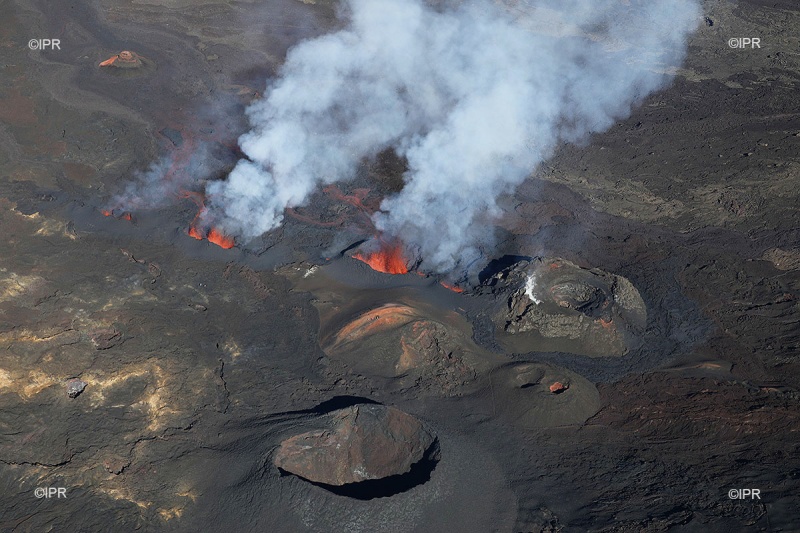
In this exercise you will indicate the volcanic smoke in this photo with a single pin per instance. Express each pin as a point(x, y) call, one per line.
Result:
point(474, 95)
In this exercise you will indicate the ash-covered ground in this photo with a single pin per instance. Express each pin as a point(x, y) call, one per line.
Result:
point(660, 373)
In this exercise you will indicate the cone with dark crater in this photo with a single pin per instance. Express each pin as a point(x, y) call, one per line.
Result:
point(124, 59)
point(127, 64)
point(537, 395)
point(360, 443)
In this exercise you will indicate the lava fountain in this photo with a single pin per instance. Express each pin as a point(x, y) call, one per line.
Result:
point(214, 235)
point(221, 240)
point(388, 258)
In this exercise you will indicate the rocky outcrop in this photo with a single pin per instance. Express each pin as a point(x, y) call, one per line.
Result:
point(363, 442)
point(75, 387)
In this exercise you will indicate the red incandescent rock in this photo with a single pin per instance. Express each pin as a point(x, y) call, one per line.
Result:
point(124, 59)
point(558, 387)
point(364, 442)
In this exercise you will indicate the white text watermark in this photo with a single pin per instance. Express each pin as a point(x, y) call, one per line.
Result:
point(44, 44)
point(744, 494)
point(744, 42)
point(50, 492)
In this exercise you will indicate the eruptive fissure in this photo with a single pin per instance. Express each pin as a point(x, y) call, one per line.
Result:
point(166, 180)
point(196, 230)
point(472, 96)
point(388, 258)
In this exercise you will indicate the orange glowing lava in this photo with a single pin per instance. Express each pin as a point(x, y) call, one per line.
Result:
point(124, 58)
point(214, 236)
point(219, 239)
point(110, 213)
point(182, 145)
point(453, 288)
point(388, 258)
point(195, 233)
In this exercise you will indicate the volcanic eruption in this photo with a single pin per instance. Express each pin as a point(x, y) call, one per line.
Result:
point(472, 97)
point(196, 230)
point(170, 179)
point(388, 258)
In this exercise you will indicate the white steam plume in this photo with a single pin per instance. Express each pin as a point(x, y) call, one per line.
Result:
point(474, 95)
point(530, 288)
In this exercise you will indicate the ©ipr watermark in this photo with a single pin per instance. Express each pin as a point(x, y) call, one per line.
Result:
point(50, 492)
point(744, 42)
point(744, 494)
point(44, 44)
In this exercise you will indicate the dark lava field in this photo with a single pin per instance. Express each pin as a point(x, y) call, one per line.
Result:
point(627, 359)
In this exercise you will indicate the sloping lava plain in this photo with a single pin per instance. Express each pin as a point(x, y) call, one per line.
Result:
point(199, 361)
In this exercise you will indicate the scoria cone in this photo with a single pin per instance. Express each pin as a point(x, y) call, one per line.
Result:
point(365, 442)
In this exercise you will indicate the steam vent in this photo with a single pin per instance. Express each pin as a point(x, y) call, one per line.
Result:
point(399, 266)
point(553, 304)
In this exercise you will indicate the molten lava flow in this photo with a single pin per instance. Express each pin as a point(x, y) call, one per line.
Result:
point(454, 288)
point(219, 239)
point(182, 159)
point(108, 62)
point(195, 233)
point(388, 258)
point(214, 235)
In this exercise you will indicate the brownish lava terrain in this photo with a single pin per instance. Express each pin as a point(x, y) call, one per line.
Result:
point(169, 383)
